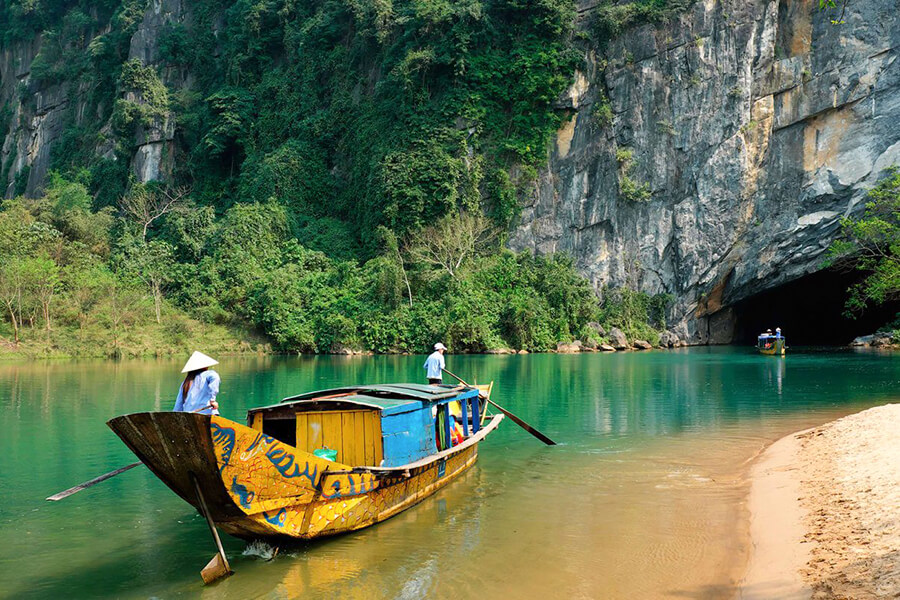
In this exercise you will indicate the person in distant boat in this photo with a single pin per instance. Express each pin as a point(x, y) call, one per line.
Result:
point(778, 333)
point(200, 387)
point(434, 365)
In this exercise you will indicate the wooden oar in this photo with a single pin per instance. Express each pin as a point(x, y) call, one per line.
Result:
point(94, 481)
point(105, 476)
point(515, 419)
point(218, 567)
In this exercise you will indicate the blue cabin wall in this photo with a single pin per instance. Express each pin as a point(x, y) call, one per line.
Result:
point(408, 436)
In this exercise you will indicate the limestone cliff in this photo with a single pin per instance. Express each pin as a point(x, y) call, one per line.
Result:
point(40, 112)
point(736, 137)
point(757, 126)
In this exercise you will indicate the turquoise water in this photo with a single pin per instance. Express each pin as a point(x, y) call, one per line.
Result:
point(642, 498)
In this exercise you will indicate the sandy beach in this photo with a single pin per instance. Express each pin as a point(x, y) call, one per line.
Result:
point(825, 511)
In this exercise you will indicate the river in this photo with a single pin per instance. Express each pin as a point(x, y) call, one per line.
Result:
point(643, 497)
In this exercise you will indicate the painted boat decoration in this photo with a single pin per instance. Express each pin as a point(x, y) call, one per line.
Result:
point(767, 343)
point(393, 446)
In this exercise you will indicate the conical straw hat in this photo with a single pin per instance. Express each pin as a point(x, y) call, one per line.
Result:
point(198, 360)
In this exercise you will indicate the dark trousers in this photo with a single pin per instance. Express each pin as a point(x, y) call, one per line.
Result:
point(434, 381)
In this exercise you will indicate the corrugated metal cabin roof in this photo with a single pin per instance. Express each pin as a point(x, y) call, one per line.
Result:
point(412, 391)
point(389, 406)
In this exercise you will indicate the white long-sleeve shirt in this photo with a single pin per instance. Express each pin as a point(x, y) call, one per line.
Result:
point(203, 391)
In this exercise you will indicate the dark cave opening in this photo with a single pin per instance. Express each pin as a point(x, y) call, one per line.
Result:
point(810, 312)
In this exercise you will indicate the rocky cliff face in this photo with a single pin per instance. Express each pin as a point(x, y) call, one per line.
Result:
point(756, 126)
point(735, 139)
point(39, 113)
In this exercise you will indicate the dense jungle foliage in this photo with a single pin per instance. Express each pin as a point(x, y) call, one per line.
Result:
point(870, 244)
point(342, 173)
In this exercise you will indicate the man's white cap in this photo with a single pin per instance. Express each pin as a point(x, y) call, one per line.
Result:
point(440, 346)
point(198, 360)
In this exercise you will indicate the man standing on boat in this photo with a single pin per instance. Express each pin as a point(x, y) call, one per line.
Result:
point(434, 365)
point(200, 386)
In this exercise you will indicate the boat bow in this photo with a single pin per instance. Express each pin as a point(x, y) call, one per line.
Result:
point(177, 446)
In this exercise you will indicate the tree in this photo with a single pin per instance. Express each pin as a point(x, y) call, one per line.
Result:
point(11, 284)
point(68, 204)
point(86, 288)
point(393, 255)
point(871, 244)
point(451, 242)
point(145, 204)
point(41, 275)
point(152, 263)
point(118, 309)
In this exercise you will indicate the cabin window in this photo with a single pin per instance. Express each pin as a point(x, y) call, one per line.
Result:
point(283, 430)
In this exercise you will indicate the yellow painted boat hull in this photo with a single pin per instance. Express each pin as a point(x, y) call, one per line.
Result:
point(258, 487)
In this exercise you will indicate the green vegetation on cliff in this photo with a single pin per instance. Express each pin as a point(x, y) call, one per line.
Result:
point(342, 175)
point(77, 282)
point(358, 114)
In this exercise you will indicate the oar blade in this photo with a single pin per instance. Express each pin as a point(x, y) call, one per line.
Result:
point(215, 569)
point(524, 425)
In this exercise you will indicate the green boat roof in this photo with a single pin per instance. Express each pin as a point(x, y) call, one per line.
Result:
point(388, 406)
point(387, 392)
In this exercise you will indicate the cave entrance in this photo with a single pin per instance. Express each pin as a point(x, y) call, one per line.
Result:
point(809, 311)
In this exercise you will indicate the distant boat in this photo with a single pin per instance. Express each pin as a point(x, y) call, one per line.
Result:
point(767, 343)
point(391, 446)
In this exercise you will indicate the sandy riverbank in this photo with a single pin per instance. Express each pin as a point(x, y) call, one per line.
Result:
point(825, 511)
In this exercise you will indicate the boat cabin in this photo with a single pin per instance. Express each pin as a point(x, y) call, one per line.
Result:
point(768, 340)
point(376, 426)
point(765, 340)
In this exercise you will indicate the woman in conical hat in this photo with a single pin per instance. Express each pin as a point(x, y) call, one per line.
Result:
point(200, 386)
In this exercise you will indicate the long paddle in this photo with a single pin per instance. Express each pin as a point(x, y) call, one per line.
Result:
point(515, 419)
point(105, 476)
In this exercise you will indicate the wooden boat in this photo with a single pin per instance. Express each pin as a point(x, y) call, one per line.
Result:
point(263, 480)
point(769, 344)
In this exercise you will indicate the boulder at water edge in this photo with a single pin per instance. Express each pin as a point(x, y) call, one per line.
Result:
point(618, 339)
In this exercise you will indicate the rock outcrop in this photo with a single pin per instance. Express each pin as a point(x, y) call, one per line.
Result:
point(755, 127)
point(876, 340)
point(617, 339)
point(42, 111)
point(668, 340)
point(569, 347)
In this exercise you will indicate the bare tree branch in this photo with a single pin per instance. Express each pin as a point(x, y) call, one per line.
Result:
point(451, 243)
point(145, 205)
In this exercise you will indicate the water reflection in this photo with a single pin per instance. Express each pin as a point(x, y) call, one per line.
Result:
point(641, 499)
